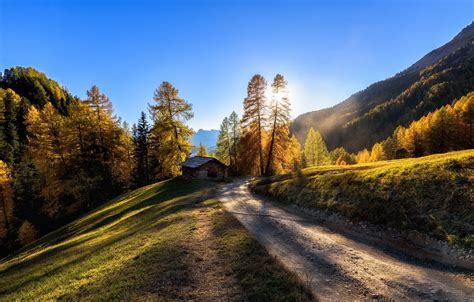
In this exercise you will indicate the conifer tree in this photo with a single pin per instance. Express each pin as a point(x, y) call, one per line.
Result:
point(252, 123)
point(315, 150)
point(170, 132)
point(377, 153)
point(295, 154)
point(363, 156)
point(202, 151)
point(47, 147)
point(141, 149)
point(280, 120)
point(5, 197)
point(467, 117)
point(339, 156)
point(9, 140)
point(223, 151)
point(234, 137)
point(102, 109)
point(441, 131)
point(390, 147)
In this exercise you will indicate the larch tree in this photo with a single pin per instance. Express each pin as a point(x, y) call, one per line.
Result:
point(47, 148)
point(223, 151)
point(170, 113)
point(377, 153)
point(202, 151)
point(441, 131)
point(467, 117)
point(6, 198)
point(279, 119)
point(101, 108)
point(253, 123)
point(315, 150)
point(295, 153)
point(340, 156)
point(3, 143)
point(363, 156)
point(234, 137)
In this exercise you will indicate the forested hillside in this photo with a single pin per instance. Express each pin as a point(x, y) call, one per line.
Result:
point(61, 156)
point(373, 114)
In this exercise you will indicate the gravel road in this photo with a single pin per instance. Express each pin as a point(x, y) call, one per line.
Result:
point(336, 266)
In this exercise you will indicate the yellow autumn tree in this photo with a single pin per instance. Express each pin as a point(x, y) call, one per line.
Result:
point(170, 136)
point(6, 200)
point(363, 156)
point(377, 153)
point(278, 156)
point(315, 150)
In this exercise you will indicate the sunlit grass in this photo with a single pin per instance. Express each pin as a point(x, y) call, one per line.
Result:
point(432, 194)
point(135, 247)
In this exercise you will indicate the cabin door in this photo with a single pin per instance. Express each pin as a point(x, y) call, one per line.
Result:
point(212, 172)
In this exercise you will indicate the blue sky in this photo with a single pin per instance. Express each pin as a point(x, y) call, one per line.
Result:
point(209, 50)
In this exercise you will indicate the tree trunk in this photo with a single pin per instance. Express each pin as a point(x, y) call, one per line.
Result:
point(260, 151)
point(270, 152)
point(174, 127)
point(234, 140)
point(4, 210)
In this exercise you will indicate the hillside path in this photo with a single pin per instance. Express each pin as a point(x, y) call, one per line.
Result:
point(336, 266)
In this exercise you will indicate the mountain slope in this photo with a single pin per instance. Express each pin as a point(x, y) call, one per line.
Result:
point(166, 241)
point(372, 114)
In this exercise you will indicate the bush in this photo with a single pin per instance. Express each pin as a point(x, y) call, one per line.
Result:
point(27, 233)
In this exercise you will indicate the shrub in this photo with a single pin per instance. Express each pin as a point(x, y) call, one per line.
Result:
point(27, 233)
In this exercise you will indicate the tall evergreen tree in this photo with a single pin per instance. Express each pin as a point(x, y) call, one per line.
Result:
point(280, 120)
point(141, 148)
point(9, 140)
point(253, 122)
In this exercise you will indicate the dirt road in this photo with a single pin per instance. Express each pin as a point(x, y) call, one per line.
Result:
point(336, 266)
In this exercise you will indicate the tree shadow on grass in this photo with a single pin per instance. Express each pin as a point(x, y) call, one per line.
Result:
point(255, 270)
point(153, 212)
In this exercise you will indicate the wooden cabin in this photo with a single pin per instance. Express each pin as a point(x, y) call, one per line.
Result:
point(203, 168)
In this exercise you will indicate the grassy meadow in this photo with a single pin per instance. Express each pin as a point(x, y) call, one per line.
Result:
point(166, 241)
point(432, 194)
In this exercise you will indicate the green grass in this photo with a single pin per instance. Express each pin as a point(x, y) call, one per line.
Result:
point(141, 246)
point(432, 194)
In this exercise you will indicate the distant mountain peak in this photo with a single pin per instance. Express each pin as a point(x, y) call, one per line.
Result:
point(465, 36)
point(206, 137)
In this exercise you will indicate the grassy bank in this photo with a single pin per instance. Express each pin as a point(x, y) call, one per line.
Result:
point(432, 194)
point(166, 241)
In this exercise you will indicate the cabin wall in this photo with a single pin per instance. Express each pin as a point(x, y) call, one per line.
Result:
point(209, 170)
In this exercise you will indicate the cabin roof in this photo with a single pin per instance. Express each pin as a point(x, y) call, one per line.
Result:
point(197, 161)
